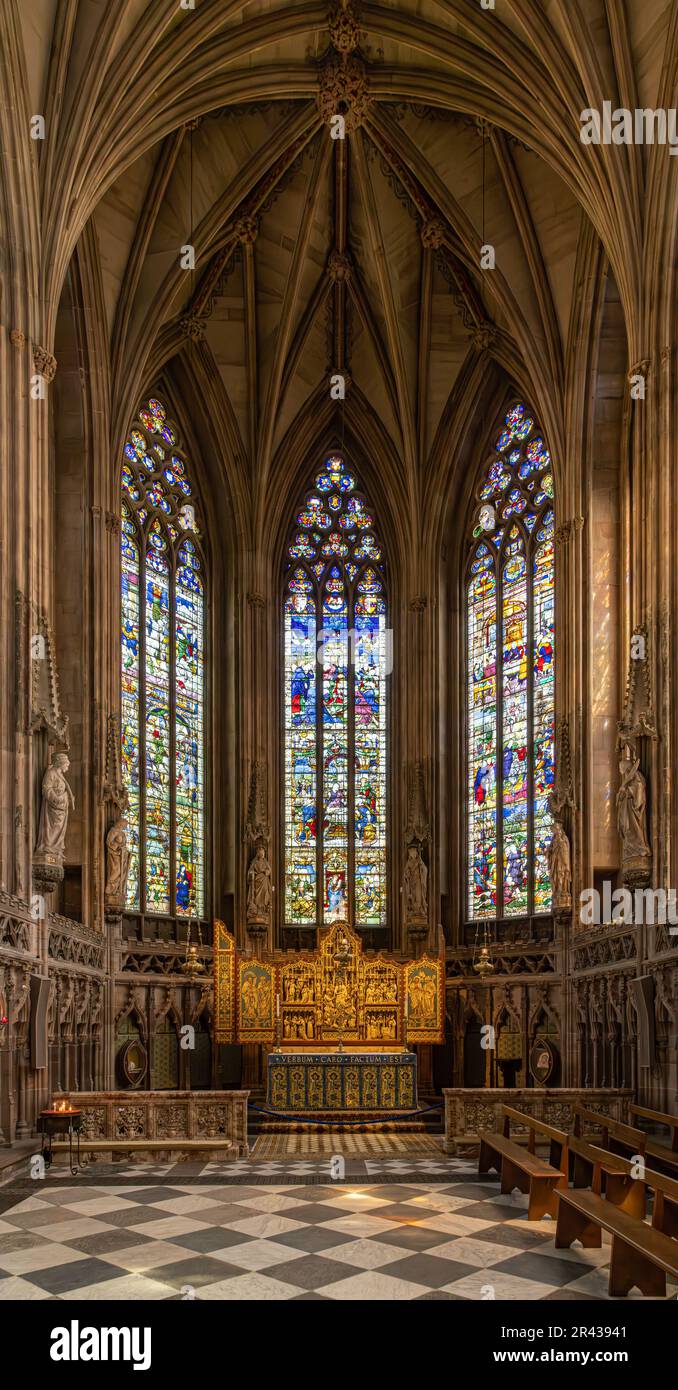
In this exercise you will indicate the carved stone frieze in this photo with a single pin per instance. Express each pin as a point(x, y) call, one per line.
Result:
point(171, 1121)
point(156, 961)
point(15, 932)
point(605, 948)
point(130, 1121)
point(540, 962)
point(93, 1122)
point(74, 950)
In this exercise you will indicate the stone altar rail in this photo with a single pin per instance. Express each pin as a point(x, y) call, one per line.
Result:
point(471, 1109)
point(137, 1122)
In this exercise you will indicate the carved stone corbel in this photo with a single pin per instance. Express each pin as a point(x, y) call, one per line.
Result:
point(45, 363)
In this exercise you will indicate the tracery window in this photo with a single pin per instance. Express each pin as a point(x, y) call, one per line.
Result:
point(336, 668)
point(163, 671)
point(510, 611)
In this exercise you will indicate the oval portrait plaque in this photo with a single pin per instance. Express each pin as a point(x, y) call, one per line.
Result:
point(542, 1060)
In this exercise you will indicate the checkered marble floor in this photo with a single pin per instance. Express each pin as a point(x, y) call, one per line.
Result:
point(430, 1167)
point(219, 1240)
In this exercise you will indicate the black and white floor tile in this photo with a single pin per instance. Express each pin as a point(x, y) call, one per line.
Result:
point(206, 1237)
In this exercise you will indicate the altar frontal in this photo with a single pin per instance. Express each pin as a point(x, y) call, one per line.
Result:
point(371, 1083)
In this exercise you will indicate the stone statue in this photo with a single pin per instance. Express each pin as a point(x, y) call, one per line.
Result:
point(631, 815)
point(117, 864)
point(415, 880)
point(56, 799)
point(559, 867)
point(259, 888)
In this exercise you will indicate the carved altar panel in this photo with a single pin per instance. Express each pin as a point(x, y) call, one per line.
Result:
point(424, 984)
point(224, 984)
point(255, 1019)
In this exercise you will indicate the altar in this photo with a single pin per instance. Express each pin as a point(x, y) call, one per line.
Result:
point(356, 1082)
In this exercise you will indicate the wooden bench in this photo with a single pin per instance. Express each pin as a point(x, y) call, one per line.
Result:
point(607, 1173)
point(665, 1202)
point(614, 1133)
point(641, 1256)
point(662, 1153)
point(658, 1117)
point(210, 1147)
point(520, 1167)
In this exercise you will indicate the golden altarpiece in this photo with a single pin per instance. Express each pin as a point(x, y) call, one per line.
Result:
point(340, 1023)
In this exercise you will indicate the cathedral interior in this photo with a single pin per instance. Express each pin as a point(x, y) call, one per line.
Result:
point(339, 702)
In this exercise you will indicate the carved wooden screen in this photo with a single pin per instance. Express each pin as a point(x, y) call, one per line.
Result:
point(510, 612)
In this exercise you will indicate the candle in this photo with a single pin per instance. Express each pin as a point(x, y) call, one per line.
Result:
point(277, 1006)
point(407, 1006)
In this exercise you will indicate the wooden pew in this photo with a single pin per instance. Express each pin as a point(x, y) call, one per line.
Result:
point(607, 1173)
point(658, 1117)
point(663, 1153)
point(665, 1204)
point(614, 1133)
point(520, 1167)
point(642, 1255)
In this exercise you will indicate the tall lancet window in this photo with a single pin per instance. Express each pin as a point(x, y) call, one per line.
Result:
point(163, 671)
point(510, 673)
point(336, 668)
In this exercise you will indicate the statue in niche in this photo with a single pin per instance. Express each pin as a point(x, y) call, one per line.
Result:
point(631, 816)
point(57, 798)
point(259, 888)
point(117, 864)
point(560, 871)
point(415, 879)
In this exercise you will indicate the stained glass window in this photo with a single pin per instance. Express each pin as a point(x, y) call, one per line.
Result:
point(336, 668)
point(163, 671)
point(510, 612)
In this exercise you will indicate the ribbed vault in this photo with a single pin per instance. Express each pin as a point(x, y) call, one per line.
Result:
point(167, 126)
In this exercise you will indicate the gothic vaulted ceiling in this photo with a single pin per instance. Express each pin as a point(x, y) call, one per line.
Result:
point(317, 256)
